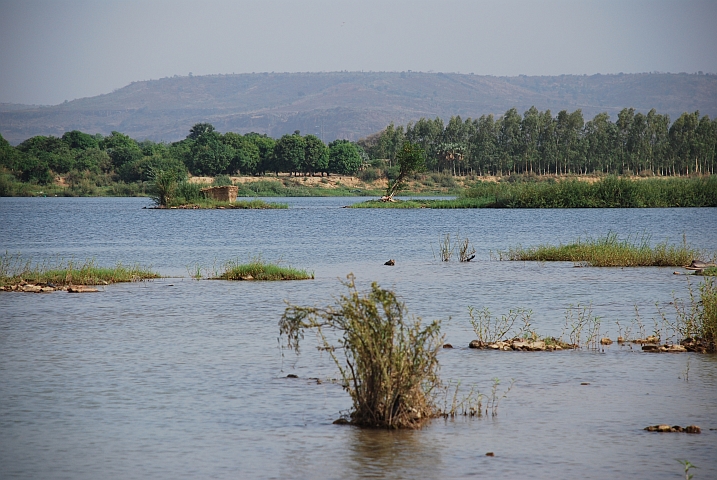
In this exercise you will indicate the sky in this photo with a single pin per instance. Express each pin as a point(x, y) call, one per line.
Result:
point(57, 50)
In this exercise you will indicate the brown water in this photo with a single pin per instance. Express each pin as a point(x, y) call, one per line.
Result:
point(183, 379)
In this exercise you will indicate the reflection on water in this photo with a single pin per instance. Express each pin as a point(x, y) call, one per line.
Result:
point(177, 378)
point(397, 454)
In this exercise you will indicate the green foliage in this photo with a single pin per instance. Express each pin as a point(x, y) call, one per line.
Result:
point(410, 159)
point(316, 155)
point(390, 360)
point(222, 181)
point(266, 150)
point(608, 251)
point(141, 169)
point(208, 154)
point(289, 154)
point(77, 140)
point(257, 269)
point(609, 192)
point(439, 204)
point(246, 153)
point(369, 175)
point(93, 160)
point(163, 187)
point(564, 144)
point(121, 149)
point(707, 317)
point(344, 158)
point(188, 192)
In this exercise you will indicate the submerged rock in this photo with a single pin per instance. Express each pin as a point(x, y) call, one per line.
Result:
point(698, 345)
point(447, 345)
point(390, 263)
point(605, 341)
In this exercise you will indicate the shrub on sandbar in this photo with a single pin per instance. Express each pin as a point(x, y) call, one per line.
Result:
point(390, 360)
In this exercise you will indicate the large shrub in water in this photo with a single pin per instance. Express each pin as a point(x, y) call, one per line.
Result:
point(390, 361)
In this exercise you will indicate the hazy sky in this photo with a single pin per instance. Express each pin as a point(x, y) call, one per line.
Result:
point(51, 51)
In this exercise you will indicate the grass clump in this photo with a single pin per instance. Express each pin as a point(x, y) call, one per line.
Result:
point(608, 251)
point(707, 318)
point(390, 360)
point(257, 269)
point(707, 272)
point(695, 319)
point(14, 270)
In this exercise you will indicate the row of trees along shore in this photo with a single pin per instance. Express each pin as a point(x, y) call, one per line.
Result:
point(540, 143)
point(204, 152)
point(536, 143)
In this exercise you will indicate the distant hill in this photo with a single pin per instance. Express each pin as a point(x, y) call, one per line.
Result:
point(347, 104)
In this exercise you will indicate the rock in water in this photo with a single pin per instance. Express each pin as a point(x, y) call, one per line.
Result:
point(390, 263)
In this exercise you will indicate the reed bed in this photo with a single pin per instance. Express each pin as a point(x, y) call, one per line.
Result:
point(256, 269)
point(390, 360)
point(15, 269)
point(608, 251)
point(707, 319)
point(609, 192)
point(437, 204)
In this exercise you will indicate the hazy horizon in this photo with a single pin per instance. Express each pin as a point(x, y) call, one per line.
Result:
point(57, 50)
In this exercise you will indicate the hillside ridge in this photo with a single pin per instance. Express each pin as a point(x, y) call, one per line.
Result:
point(348, 104)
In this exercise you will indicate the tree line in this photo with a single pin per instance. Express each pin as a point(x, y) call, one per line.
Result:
point(540, 143)
point(204, 152)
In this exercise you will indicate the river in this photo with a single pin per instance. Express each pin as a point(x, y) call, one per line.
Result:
point(178, 378)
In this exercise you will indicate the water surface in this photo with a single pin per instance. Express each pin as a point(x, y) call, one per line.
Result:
point(178, 378)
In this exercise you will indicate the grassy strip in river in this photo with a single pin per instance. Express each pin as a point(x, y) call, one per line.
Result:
point(608, 251)
point(14, 269)
point(256, 269)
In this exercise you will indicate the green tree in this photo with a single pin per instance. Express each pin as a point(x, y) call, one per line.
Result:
point(141, 169)
point(121, 149)
point(410, 159)
point(483, 145)
point(209, 156)
point(289, 153)
point(246, 153)
point(265, 145)
point(51, 151)
point(316, 155)
point(344, 158)
point(427, 134)
point(199, 130)
point(78, 140)
point(93, 160)
point(530, 138)
point(601, 141)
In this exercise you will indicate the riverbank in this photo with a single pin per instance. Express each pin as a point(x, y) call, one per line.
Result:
point(510, 191)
